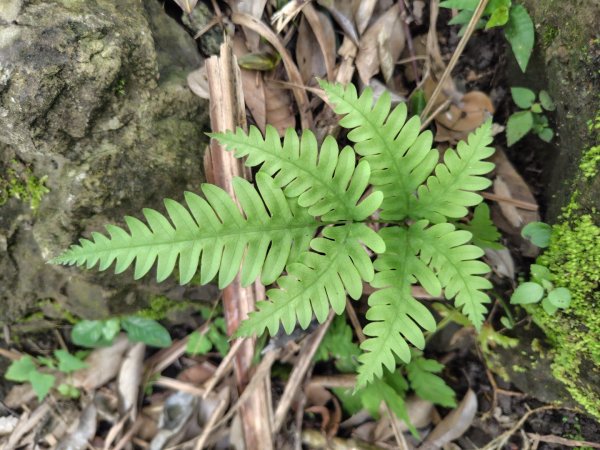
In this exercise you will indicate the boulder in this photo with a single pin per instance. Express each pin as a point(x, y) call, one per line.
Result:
point(95, 109)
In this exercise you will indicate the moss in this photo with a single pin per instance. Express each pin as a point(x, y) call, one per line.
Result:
point(589, 162)
point(573, 257)
point(23, 186)
point(549, 34)
point(161, 307)
point(519, 369)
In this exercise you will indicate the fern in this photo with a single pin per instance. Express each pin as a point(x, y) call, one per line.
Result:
point(305, 228)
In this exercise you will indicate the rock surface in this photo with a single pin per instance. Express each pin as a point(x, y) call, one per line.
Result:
point(93, 97)
point(567, 63)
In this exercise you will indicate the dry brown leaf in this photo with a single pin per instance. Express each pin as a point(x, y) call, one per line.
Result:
point(474, 108)
point(279, 109)
point(342, 12)
point(291, 68)
point(197, 374)
point(130, 376)
point(187, 5)
point(501, 262)
point(454, 424)
point(287, 13)
point(310, 62)
point(381, 45)
point(84, 431)
point(363, 14)
point(253, 86)
point(325, 36)
point(510, 211)
point(198, 83)
point(103, 364)
point(254, 8)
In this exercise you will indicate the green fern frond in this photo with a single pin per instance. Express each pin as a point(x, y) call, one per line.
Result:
point(213, 233)
point(394, 315)
point(445, 249)
point(448, 193)
point(326, 181)
point(485, 234)
point(400, 157)
point(319, 279)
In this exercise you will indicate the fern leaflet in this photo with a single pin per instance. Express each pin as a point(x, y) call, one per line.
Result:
point(214, 234)
point(318, 280)
point(325, 181)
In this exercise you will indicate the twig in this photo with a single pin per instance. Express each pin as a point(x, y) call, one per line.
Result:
point(354, 321)
point(177, 385)
point(130, 433)
point(210, 425)
point(457, 53)
point(223, 367)
point(300, 368)
point(438, 110)
point(551, 439)
point(513, 201)
point(409, 41)
point(499, 441)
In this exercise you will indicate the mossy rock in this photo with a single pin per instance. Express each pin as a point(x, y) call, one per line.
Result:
point(566, 62)
point(94, 102)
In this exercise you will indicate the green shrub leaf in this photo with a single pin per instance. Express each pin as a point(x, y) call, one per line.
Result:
point(538, 233)
point(519, 32)
point(68, 363)
point(21, 369)
point(198, 344)
point(148, 331)
point(546, 101)
point(522, 97)
point(527, 293)
point(560, 297)
point(519, 124)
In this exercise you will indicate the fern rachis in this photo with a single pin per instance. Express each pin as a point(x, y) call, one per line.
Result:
point(306, 227)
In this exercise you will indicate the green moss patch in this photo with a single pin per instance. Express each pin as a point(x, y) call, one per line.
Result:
point(22, 185)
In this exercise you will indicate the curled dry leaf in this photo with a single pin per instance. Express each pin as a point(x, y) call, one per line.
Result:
point(103, 365)
point(363, 14)
point(279, 109)
point(324, 35)
point(130, 376)
point(463, 117)
point(342, 12)
point(254, 8)
point(311, 62)
point(501, 262)
point(454, 424)
point(381, 46)
point(8, 424)
point(177, 411)
point(187, 5)
point(198, 82)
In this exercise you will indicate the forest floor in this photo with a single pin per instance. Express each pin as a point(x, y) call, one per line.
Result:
point(186, 395)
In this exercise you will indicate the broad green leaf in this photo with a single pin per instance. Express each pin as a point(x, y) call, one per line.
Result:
point(560, 297)
point(538, 233)
point(498, 18)
point(87, 333)
point(546, 101)
point(41, 384)
point(460, 4)
point(519, 124)
point(198, 344)
point(539, 273)
point(148, 331)
point(522, 97)
point(21, 369)
point(519, 32)
point(546, 134)
point(68, 363)
point(527, 293)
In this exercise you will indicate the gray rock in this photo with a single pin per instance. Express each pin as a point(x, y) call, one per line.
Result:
point(93, 96)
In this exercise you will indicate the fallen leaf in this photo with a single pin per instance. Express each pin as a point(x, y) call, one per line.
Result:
point(254, 8)
point(474, 109)
point(342, 12)
point(84, 431)
point(363, 14)
point(7, 424)
point(381, 45)
point(187, 5)
point(279, 109)
point(103, 365)
point(501, 262)
point(311, 63)
point(177, 411)
point(325, 36)
point(130, 376)
point(454, 424)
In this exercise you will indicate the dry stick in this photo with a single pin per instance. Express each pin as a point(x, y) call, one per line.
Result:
point(300, 368)
point(551, 439)
point(259, 27)
point(409, 41)
point(455, 56)
point(210, 425)
point(227, 111)
point(438, 110)
point(513, 201)
point(223, 367)
point(361, 338)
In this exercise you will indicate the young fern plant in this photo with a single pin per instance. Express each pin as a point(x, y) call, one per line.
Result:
point(305, 227)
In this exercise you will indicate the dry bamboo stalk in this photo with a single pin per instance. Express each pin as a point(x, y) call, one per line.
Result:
point(227, 112)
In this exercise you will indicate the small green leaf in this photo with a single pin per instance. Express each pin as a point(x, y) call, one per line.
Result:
point(538, 233)
point(417, 102)
point(560, 297)
point(148, 331)
point(470, 5)
point(536, 108)
point(546, 101)
point(427, 385)
point(110, 328)
point(219, 340)
point(485, 234)
point(506, 322)
point(519, 124)
point(498, 18)
point(546, 134)
point(41, 384)
point(259, 61)
point(21, 369)
point(549, 307)
point(539, 273)
point(198, 344)
point(527, 293)
point(87, 333)
point(522, 97)
point(519, 32)
point(68, 390)
point(68, 363)
point(462, 18)
point(48, 362)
